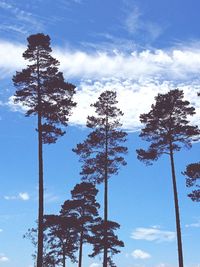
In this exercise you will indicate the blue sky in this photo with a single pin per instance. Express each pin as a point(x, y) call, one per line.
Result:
point(138, 48)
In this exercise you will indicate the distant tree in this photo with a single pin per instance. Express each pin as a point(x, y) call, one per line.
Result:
point(193, 177)
point(85, 206)
point(168, 129)
point(101, 153)
point(112, 243)
point(43, 91)
point(62, 238)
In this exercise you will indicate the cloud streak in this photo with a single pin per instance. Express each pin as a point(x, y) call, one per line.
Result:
point(153, 234)
point(24, 196)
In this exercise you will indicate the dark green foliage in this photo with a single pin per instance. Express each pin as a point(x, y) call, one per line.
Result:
point(112, 243)
point(193, 176)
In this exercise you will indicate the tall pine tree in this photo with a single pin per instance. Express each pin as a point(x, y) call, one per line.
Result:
point(42, 90)
point(102, 152)
point(167, 129)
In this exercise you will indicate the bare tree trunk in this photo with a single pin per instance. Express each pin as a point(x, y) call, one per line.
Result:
point(64, 257)
point(41, 201)
point(178, 226)
point(80, 250)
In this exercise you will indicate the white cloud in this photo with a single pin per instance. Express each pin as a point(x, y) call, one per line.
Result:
point(137, 77)
point(21, 196)
point(24, 196)
point(3, 258)
point(153, 234)
point(140, 254)
point(95, 265)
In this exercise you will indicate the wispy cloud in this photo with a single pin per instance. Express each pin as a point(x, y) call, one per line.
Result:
point(153, 234)
point(136, 23)
point(193, 225)
point(50, 197)
point(140, 254)
point(21, 196)
point(18, 19)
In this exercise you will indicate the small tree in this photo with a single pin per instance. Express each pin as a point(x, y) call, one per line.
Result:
point(62, 237)
point(193, 177)
point(167, 128)
point(112, 243)
point(43, 91)
point(101, 153)
point(84, 205)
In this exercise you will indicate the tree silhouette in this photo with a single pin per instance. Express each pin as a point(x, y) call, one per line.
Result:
point(101, 153)
point(62, 237)
point(111, 243)
point(44, 93)
point(167, 128)
point(193, 176)
point(85, 207)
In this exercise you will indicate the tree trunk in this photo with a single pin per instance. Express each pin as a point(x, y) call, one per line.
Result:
point(40, 163)
point(105, 253)
point(80, 250)
point(41, 201)
point(64, 257)
point(178, 226)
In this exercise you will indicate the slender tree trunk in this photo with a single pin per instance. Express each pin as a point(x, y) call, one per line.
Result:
point(41, 201)
point(80, 250)
point(64, 257)
point(40, 163)
point(178, 226)
point(105, 253)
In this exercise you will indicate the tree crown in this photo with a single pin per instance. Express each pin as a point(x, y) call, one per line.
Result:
point(167, 126)
point(42, 90)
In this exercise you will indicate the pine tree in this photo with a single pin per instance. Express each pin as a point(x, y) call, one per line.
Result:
point(112, 243)
point(101, 153)
point(85, 206)
point(42, 90)
point(62, 237)
point(168, 129)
